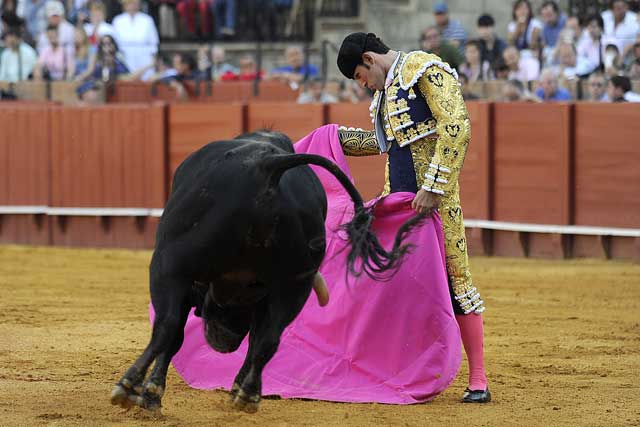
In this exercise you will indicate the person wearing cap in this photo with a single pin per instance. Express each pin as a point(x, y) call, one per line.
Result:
point(421, 122)
point(54, 11)
point(18, 59)
point(452, 31)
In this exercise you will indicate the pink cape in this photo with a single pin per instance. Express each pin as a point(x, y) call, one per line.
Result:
point(390, 342)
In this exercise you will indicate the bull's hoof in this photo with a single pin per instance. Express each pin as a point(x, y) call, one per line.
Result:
point(243, 402)
point(234, 391)
point(120, 396)
point(149, 398)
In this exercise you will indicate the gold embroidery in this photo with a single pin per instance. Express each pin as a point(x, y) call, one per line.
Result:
point(358, 142)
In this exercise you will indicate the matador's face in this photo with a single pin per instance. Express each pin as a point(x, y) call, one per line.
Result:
point(370, 74)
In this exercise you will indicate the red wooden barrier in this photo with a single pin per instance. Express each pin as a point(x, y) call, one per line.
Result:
point(193, 125)
point(24, 170)
point(532, 164)
point(475, 178)
point(607, 159)
point(107, 157)
point(295, 120)
point(368, 172)
point(350, 115)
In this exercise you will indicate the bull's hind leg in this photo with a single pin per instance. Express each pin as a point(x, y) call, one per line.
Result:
point(171, 302)
point(272, 316)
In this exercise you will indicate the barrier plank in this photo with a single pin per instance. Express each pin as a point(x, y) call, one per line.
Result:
point(475, 185)
point(110, 156)
point(606, 165)
point(193, 125)
point(295, 120)
point(368, 174)
point(350, 115)
point(532, 146)
point(24, 171)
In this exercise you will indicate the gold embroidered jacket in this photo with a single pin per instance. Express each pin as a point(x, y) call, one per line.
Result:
point(423, 99)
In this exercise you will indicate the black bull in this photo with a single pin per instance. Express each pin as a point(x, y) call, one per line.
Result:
point(241, 239)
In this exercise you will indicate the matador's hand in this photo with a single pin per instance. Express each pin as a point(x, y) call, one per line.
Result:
point(425, 201)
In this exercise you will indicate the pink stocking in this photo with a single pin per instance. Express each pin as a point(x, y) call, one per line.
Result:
point(471, 330)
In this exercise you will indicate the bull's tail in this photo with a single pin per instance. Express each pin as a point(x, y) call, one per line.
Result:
point(375, 261)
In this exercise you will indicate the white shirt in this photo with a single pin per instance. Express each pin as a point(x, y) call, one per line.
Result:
point(14, 68)
point(632, 97)
point(66, 38)
point(528, 70)
point(625, 33)
point(137, 39)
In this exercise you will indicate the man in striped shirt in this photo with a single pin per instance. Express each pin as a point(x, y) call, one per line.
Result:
point(452, 31)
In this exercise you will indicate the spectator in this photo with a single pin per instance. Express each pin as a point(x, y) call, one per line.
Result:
point(634, 70)
point(598, 88)
point(590, 46)
point(351, 91)
point(186, 68)
point(78, 12)
point(450, 30)
point(619, 90)
point(249, 69)
point(554, 22)
point(467, 93)
point(620, 24)
point(514, 91)
point(548, 89)
point(215, 68)
point(491, 46)
point(187, 11)
point(105, 65)
point(137, 36)
point(474, 68)
point(11, 21)
point(500, 69)
point(82, 52)
point(89, 94)
point(570, 65)
point(35, 17)
point(315, 93)
point(432, 43)
point(612, 60)
point(97, 26)
point(296, 71)
point(54, 62)
point(524, 30)
point(633, 55)
point(18, 59)
point(573, 25)
point(54, 11)
point(224, 12)
point(525, 69)
point(161, 70)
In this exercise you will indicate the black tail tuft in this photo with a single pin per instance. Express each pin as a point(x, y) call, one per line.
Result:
point(375, 261)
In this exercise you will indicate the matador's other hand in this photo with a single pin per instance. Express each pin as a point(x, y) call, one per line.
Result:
point(425, 201)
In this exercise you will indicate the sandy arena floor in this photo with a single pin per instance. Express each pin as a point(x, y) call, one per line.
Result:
point(562, 348)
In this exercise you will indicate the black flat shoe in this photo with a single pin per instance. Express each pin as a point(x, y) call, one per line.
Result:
point(476, 396)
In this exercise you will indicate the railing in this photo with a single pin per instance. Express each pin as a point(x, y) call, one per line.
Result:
point(340, 8)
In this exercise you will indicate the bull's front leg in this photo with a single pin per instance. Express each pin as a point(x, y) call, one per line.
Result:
point(272, 316)
point(171, 302)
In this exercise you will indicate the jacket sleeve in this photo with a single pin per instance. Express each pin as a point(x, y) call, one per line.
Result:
point(358, 142)
point(444, 96)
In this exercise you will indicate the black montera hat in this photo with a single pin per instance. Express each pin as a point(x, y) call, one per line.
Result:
point(350, 54)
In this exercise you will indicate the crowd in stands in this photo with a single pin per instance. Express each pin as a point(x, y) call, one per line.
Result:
point(544, 57)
